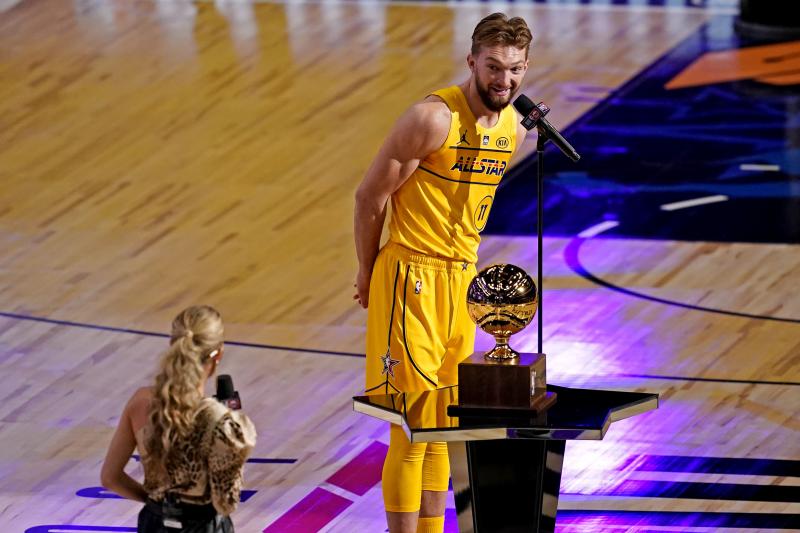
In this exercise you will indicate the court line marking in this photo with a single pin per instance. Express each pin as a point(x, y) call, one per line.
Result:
point(759, 168)
point(571, 257)
point(694, 202)
point(67, 323)
point(597, 229)
point(145, 333)
point(709, 380)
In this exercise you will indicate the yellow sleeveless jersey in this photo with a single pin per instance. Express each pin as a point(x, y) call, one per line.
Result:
point(444, 205)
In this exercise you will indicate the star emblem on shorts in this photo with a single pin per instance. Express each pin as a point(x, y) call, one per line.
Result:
point(389, 364)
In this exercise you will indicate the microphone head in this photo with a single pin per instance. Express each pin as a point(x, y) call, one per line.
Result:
point(524, 105)
point(225, 390)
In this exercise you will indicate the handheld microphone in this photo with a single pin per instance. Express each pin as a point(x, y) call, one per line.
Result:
point(533, 117)
point(226, 394)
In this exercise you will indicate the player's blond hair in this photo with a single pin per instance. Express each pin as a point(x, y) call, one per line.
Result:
point(498, 29)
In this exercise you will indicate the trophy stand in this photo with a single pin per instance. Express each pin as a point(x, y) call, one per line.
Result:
point(502, 300)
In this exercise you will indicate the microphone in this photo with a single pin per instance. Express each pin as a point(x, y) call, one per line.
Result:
point(226, 394)
point(533, 117)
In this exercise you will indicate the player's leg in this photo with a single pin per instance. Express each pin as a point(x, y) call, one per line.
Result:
point(460, 344)
point(404, 342)
point(402, 472)
point(382, 325)
point(406, 360)
point(435, 479)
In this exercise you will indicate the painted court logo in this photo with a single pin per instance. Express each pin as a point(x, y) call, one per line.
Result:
point(773, 64)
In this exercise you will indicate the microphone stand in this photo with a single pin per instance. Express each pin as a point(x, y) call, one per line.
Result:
point(541, 139)
point(533, 116)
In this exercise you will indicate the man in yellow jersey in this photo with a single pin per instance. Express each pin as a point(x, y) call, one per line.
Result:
point(440, 166)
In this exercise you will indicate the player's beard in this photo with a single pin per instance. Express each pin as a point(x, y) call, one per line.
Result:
point(492, 101)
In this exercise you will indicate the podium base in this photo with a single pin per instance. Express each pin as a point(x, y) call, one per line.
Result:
point(516, 384)
point(506, 485)
point(540, 402)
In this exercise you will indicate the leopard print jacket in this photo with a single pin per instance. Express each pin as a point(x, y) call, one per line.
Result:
point(206, 466)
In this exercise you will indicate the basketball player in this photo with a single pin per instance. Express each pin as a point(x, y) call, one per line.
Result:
point(440, 166)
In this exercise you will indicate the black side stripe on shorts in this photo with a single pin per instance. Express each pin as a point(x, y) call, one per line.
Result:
point(405, 341)
point(391, 313)
point(389, 338)
point(386, 384)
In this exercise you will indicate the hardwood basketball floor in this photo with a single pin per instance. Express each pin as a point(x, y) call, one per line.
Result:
point(159, 154)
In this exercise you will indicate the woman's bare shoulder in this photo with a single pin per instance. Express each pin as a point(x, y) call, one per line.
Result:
point(139, 406)
point(142, 395)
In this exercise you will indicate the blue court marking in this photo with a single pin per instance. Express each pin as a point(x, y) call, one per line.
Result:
point(58, 528)
point(113, 329)
point(351, 354)
point(103, 493)
point(692, 490)
point(572, 259)
point(267, 460)
point(717, 465)
point(644, 146)
point(600, 520)
point(709, 380)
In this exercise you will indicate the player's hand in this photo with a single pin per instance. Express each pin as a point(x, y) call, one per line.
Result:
point(362, 289)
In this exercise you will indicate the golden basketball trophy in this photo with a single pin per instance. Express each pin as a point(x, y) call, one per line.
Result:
point(502, 299)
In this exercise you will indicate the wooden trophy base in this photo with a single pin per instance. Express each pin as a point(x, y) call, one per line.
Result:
point(506, 387)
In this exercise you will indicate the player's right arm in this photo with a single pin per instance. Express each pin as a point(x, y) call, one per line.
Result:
point(421, 130)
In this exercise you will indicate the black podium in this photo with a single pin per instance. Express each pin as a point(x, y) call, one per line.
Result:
point(506, 471)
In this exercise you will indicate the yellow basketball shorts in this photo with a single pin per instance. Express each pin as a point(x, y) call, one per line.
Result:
point(418, 328)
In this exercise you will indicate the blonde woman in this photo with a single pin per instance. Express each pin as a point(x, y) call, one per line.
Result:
point(192, 447)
